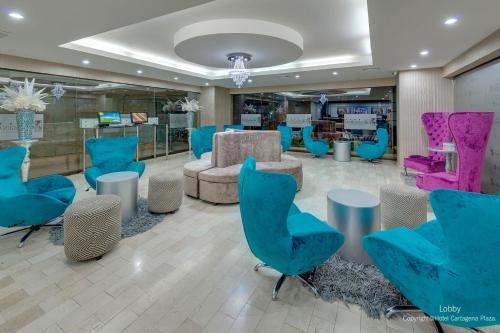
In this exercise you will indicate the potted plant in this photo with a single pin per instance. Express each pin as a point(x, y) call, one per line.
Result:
point(190, 106)
point(24, 101)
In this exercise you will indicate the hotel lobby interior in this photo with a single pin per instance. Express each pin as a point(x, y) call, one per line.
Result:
point(265, 166)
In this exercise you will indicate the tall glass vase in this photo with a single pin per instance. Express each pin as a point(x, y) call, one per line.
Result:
point(190, 119)
point(25, 121)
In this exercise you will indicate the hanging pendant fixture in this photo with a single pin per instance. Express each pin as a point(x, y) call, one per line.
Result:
point(238, 70)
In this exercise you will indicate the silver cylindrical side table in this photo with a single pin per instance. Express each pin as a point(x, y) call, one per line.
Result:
point(355, 214)
point(342, 151)
point(123, 184)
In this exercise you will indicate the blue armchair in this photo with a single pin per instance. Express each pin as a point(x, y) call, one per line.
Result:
point(285, 239)
point(373, 151)
point(236, 127)
point(31, 204)
point(452, 261)
point(201, 140)
point(286, 137)
point(317, 147)
point(110, 155)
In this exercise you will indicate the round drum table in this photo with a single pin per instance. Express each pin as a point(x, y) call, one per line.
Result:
point(355, 214)
point(123, 184)
point(342, 151)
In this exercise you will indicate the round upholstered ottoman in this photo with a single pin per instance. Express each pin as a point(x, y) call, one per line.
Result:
point(92, 227)
point(165, 193)
point(402, 206)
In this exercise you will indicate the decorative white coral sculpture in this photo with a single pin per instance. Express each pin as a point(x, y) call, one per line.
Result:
point(190, 105)
point(25, 97)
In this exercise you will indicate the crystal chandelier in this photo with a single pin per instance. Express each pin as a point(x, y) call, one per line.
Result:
point(238, 71)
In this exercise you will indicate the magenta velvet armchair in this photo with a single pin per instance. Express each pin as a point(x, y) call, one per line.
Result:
point(438, 132)
point(470, 130)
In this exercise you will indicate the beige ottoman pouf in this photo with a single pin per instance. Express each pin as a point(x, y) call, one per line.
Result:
point(165, 193)
point(92, 227)
point(402, 206)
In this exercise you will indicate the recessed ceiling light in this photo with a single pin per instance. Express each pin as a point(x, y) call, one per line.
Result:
point(139, 71)
point(424, 52)
point(250, 81)
point(85, 62)
point(413, 66)
point(335, 73)
point(176, 78)
point(451, 21)
point(16, 16)
point(206, 83)
point(297, 76)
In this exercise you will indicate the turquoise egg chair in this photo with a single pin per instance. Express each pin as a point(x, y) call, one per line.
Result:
point(201, 140)
point(277, 232)
point(373, 151)
point(286, 137)
point(33, 204)
point(110, 155)
point(452, 261)
point(317, 147)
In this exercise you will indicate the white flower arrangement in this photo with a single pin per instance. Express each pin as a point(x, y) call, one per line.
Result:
point(249, 108)
point(170, 106)
point(191, 105)
point(25, 97)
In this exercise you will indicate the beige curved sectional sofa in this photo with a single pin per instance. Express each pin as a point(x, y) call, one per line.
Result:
point(214, 178)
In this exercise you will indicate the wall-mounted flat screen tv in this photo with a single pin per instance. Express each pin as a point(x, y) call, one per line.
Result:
point(109, 118)
point(139, 117)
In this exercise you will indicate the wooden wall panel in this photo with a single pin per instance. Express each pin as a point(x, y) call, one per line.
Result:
point(419, 91)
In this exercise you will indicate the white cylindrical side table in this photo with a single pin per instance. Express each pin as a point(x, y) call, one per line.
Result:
point(342, 151)
point(123, 184)
point(355, 214)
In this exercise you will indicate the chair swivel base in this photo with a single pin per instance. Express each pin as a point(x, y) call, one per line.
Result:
point(398, 309)
point(302, 278)
point(30, 229)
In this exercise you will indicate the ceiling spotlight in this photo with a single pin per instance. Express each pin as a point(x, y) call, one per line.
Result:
point(297, 76)
point(451, 21)
point(139, 71)
point(413, 66)
point(424, 52)
point(16, 16)
point(206, 83)
point(250, 81)
point(335, 73)
point(176, 78)
point(86, 62)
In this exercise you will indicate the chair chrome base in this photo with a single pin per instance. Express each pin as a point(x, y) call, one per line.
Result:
point(413, 309)
point(302, 278)
point(32, 229)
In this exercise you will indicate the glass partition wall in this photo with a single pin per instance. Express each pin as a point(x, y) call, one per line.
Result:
point(340, 114)
point(60, 147)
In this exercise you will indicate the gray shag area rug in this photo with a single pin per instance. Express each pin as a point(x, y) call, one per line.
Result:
point(364, 285)
point(141, 222)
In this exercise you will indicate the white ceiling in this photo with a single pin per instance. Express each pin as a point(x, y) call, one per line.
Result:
point(332, 31)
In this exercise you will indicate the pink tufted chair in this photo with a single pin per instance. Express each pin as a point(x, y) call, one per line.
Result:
point(438, 132)
point(470, 131)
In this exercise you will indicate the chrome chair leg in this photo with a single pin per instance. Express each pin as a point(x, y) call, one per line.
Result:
point(25, 237)
point(259, 266)
point(308, 284)
point(277, 286)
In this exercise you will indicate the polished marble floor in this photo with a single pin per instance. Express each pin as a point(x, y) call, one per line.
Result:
point(191, 273)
